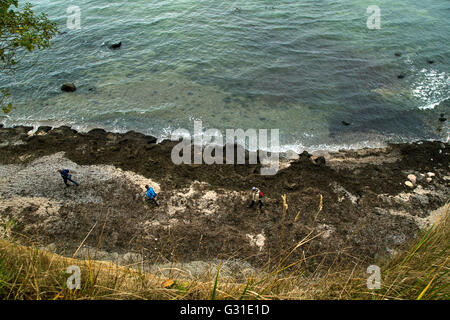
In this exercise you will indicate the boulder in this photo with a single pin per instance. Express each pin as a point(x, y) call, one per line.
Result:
point(97, 132)
point(412, 178)
point(431, 174)
point(43, 130)
point(115, 46)
point(429, 180)
point(409, 184)
point(305, 155)
point(68, 87)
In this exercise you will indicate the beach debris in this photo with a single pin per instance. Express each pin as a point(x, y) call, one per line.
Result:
point(168, 283)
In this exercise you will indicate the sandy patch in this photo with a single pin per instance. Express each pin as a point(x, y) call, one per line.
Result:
point(16, 205)
point(40, 179)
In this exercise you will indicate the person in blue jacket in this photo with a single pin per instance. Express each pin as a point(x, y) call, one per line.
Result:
point(151, 194)
point(67, 177)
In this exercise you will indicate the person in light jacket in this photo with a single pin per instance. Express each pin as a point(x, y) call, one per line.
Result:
point(257, 195)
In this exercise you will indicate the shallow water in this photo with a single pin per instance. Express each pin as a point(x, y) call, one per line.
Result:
point(299, 66)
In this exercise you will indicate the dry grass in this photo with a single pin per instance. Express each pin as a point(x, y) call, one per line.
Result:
point(420, 271)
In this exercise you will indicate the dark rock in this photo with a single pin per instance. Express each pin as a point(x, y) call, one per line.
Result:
point(64, 131)
point(150, 139)
point(43, 129)
point(133, 135)
point(345, 123)
point(97, 132)
point(319, 161)
point(115, 46)
point(430, 61)
point(398, 54)
point(400, 76)
point(1, 125)
point(442, 119)
point(22, 129)
point(68, 87)
point(305, 154)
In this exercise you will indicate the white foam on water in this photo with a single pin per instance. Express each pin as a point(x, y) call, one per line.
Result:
point(431, 88)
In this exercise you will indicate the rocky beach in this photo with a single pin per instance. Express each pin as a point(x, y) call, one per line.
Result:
point(352, 206)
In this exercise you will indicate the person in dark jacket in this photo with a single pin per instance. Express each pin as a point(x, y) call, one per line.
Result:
point(151, 194)
point(67, 177)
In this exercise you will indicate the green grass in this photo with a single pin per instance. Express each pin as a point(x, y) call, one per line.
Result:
point(419, 271)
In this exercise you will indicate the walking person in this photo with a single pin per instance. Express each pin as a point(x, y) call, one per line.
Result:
point(151, 194)
point(257, 195)
point(67, 177)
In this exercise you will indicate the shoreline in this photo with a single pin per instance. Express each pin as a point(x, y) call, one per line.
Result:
point(319, 149)
point(368, 211)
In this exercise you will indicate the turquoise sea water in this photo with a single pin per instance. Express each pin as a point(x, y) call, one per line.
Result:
point(301, 67)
